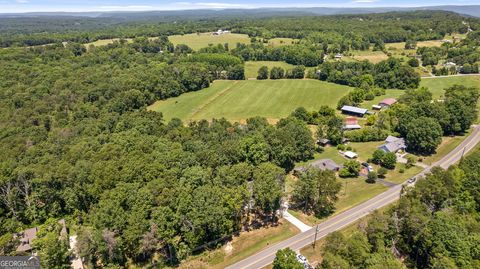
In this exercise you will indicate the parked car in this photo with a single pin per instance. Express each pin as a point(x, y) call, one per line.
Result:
point(411, 180)
point(368, 166)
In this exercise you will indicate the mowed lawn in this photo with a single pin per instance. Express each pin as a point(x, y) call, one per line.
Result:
point(197, 41)
point(239, 100)
point(251, 67)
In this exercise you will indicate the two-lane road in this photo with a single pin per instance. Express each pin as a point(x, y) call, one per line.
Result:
point(266, 256)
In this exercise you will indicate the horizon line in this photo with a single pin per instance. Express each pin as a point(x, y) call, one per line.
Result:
point(155, 9)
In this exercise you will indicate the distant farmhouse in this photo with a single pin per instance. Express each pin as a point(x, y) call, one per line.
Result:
point(393, 144)
point(324, 164)
point(355, 111)
point(221, 32)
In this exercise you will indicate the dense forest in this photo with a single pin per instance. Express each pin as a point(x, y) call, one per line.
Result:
point(77, 142)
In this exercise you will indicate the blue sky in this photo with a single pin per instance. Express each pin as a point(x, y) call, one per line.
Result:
point(8, 6)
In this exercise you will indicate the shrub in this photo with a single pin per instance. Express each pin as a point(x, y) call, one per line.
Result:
point(372, 177)
point(382, 171)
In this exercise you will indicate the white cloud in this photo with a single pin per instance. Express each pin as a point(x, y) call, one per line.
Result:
point(21, 1)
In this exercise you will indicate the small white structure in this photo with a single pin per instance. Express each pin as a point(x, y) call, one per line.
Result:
point(338, 56)
point(352, 127)
point(449, 65)
point(350, 154)
point(221, 32)
point(376, 107)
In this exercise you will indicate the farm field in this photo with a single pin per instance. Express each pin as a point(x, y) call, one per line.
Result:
point(279, 41)
point(372, 56)
point(104, 42)
point(239, 100)
point(251, 67)
point(202, 40)
point(436, 85)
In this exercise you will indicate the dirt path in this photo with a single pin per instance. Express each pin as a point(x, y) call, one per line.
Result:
point(209, 101)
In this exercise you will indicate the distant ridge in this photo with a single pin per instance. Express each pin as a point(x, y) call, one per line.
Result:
point(467, 10)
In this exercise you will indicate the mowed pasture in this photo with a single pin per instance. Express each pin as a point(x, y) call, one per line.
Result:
point(281, 41)
point(104, 42)
point(372, 56)
point(239, 100)
point(436, 85)
point(251, 67)
point(197, 41)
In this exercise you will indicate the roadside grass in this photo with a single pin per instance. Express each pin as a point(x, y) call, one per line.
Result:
point(248, 243)
point(354, 192)
point(197, 41)
point(239, 100)
point(251, 67)
point(396, 177)
point(314, 255)
point(448, 144)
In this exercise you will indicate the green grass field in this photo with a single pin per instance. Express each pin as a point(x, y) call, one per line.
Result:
point(104, 42)
point(239, 100)
point(202, 40)
point(280, 41)
point(251, 67)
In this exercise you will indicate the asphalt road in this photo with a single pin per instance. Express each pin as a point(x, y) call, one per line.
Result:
point(266, 256)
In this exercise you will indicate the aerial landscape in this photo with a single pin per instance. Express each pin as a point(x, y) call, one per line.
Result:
point(162, 134)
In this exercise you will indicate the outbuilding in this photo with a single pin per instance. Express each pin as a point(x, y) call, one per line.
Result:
point(387, 102)
point(350, 154)
point(356, 111)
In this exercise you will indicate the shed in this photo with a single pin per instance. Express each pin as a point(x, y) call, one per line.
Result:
point(387, 102)
point(376, 107)
point(351, 110)
point(352, 127)
point(350, 154)
point(323, 141)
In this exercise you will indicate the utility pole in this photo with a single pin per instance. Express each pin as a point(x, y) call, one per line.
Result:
point(315, 240)
point(463, 152)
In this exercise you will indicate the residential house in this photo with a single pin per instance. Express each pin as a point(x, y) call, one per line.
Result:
point(355, 111)
point(26, 238)
point(393, 144)
point(323, 164)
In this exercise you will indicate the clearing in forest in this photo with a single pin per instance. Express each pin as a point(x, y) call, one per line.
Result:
point(239, 100)
point(197, 41)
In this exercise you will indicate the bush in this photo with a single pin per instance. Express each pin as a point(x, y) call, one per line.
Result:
point(402, 170)
point(389, 160)
point(410, 161)
point(277, 73)
point(372, 177)
point(382, 172)
point(341, 147)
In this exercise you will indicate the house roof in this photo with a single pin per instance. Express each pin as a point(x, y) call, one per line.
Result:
point(350, 154)
point(323, 164)
point(26, 237)
point(353, 109)
point(351, 121)
point(393, 144)
point(388, 101)
point(352, 127)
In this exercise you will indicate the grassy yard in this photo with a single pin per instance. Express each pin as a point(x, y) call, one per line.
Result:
point(395, 176)
point(202, 40)
point(243, 246)
point(354, 192)
point(251, 67)
point(239, 100)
